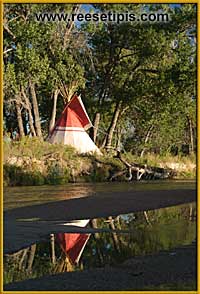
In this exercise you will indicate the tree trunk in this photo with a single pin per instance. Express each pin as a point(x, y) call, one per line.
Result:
point(96, 126)
point(146, 139)
point(119, 136)
point(35, 109)
point(53, 114)
point(115, 238)
point(94, 226)
point(191, 136)
point(31, 257)
point(30, 116)
point(147, 218)
point(113, 124)
point(19, 119)
point(97, 238)
point(24, 255)
point(104, 142)
point(53, 255)
point(191, 212)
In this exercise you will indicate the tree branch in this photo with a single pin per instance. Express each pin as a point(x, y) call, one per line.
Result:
point(9, 31)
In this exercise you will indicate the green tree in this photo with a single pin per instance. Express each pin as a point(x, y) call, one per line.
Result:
point(44, 62)
point(134, 66)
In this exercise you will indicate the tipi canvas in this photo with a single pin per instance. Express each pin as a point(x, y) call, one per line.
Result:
point(71, 128)
point(73, 244)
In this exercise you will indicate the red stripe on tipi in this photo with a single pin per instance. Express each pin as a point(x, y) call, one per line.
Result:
point(73, 115)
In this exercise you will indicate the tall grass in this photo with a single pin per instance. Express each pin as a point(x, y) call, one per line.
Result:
point(32, 161)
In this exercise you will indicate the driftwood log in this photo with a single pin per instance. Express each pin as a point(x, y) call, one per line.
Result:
point(137, 171)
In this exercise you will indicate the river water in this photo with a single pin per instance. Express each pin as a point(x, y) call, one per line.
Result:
point(27, 195)
point(149, 231)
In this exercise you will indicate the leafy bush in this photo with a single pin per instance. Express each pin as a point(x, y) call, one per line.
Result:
point(57, 175)
point(16, 176)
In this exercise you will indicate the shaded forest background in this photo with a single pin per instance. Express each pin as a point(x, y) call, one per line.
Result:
point(137, 81)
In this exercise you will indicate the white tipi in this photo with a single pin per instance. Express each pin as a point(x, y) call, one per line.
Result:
point(70, 129)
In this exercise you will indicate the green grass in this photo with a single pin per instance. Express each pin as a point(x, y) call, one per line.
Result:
point(32, 161)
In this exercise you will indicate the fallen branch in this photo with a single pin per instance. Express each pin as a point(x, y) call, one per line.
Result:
point(140, 170)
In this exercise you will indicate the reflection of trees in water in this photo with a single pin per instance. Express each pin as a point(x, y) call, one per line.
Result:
point(19, 265)
point(32, 262)
point(152, 231)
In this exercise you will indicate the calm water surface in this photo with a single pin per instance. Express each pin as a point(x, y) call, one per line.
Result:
point(27, 195)
point(149, 231)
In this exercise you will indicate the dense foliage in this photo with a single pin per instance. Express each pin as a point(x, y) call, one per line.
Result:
point(138, 81)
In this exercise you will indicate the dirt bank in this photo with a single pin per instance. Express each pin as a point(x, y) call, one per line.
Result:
point(33, 162)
